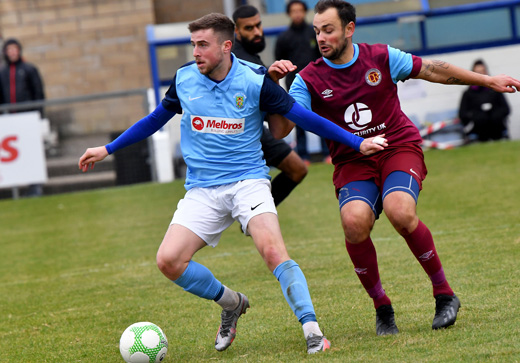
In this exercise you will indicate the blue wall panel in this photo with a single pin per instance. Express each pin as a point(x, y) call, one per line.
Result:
point(457, 29)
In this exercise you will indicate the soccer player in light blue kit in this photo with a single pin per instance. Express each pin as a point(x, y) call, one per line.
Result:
point(223, 101)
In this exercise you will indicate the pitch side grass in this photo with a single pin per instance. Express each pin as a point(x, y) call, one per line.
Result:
point(77, 269)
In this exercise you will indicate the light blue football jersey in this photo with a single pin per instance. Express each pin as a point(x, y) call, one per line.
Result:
point(221, 124)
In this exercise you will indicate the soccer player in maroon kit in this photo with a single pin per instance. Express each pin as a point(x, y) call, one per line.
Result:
point(354, 85)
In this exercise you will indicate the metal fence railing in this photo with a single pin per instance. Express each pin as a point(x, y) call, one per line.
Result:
point(79, 122)
point(6, 108)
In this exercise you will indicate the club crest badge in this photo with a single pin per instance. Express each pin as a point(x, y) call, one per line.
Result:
point(373, 77)
point(240, 100)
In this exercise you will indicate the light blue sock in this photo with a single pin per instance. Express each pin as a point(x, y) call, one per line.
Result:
point(199, 280)
point(295, 290)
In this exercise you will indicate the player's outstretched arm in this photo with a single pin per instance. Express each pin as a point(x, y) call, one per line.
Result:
point(92, 156)
point(280, 127)
point(445, 73)
point(137, 132)
point(275, 100)
point(313, 122)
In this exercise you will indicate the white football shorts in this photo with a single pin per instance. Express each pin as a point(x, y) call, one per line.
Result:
point(207, 212)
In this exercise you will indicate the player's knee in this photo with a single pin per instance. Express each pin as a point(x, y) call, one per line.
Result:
point(404, 220)
point(162, 264)
point(170, 267)
point(400, 208)
point(355, 236)
point(300, 173)
point(355, 227)
point(273, 256)
point(297, 172)
point(294, 167)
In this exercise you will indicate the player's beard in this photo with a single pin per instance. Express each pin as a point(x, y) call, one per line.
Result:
point(338, 52)
point(253, 47)
point(210, 67)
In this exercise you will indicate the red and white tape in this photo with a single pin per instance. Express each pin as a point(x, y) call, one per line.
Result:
point(438, 126)
point(443, 145)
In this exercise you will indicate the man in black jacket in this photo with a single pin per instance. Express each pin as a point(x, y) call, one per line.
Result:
point(19, 81)
point(484, 111)
point(298, 44)
point(249, 41)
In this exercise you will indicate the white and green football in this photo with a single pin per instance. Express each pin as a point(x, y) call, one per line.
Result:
point(143, 342)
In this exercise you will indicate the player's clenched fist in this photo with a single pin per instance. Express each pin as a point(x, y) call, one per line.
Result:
point(91, 156)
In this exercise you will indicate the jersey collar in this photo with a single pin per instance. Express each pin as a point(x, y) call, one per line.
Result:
point(345, 65)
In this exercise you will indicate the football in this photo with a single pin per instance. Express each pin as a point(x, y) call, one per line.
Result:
point(143, 342)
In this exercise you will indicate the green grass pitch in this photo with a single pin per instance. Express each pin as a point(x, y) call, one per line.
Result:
point(77, 269)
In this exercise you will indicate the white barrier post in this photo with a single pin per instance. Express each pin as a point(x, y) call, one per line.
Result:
point(22, 155)
point(161, 150)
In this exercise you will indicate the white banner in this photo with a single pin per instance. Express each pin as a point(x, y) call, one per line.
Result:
point(22, 155)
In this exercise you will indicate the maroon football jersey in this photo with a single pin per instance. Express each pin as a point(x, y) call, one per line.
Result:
point(362, 99)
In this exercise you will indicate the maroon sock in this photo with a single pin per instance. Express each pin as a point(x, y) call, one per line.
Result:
point(421, 244)
point(364, 258)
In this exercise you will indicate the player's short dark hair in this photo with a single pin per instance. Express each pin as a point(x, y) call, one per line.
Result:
point(346, 11)
point(244, 11)
point(292, 2)
point(220, 24)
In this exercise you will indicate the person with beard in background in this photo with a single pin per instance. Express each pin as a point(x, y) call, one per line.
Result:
point(249, 41)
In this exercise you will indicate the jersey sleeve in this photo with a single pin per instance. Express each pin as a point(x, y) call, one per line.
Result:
point(417, 65)
point(273, 98)
point(300, 92)
point(403, 65)
point(400, 64)
point(171, 101)
point(313, 122)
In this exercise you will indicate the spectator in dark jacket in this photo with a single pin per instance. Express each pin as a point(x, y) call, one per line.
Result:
point(483, 112)
point(249, 41)
point(19, 81)
point(298, 44)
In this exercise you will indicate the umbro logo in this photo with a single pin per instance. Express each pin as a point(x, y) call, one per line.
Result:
point(256, 206)
point(327, 93)
point(361, 270)
point(426, 256)
point(194, 98)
